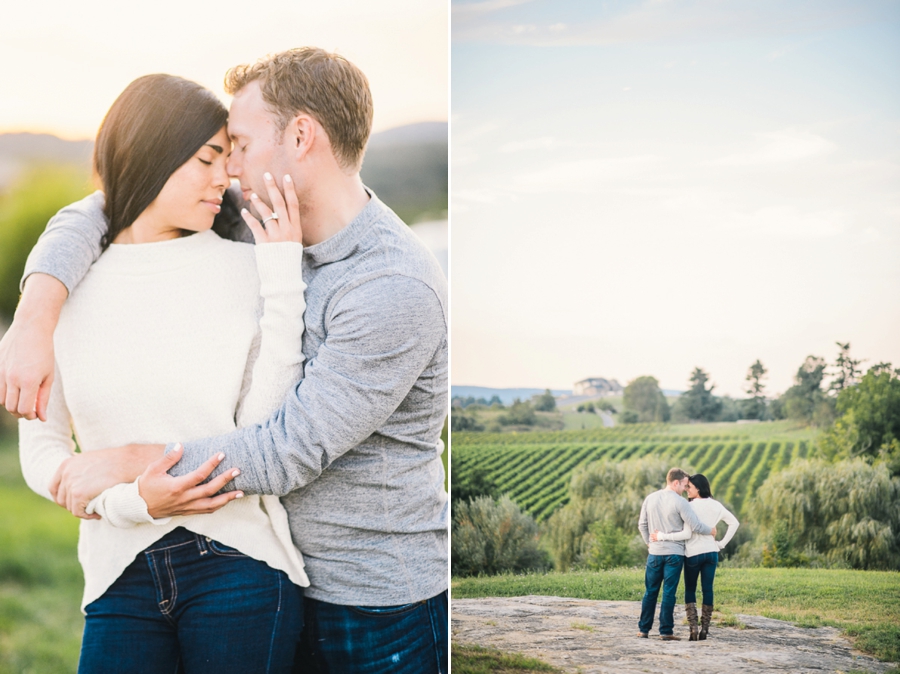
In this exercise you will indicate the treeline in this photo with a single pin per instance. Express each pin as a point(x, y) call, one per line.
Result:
point(840, 507)
point(521, 413)
point(809, 400)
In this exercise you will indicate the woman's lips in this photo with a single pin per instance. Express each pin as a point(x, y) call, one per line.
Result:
point(214, 206)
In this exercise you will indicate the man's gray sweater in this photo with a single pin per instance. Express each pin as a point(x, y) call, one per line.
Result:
point(355, 449)
point(666, 512)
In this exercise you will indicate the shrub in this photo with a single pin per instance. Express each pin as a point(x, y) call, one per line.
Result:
point(25, 209)
point(605, 496)
point(490, 537)
point(847, 513)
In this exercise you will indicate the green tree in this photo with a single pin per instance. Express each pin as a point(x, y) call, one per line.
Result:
point(869, 419)
point(847, 370)
point(755, 407)
point(644, 397)
point(25, 208)
point(460, 421)
point(519, 414)
point(608, 495)
point(805, 400)
point(587, 407)
point(698, 403)
point(848, 513)
point(490, 537)
point(545, 402)
point(476, 483)
point(609, 547)
point(629, 417)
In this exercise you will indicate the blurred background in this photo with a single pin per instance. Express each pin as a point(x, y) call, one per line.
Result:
point(66, 64)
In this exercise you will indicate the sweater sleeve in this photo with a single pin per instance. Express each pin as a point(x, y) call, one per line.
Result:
point(381, 333)
point(682, 535)
point(274, 364)
point(71, 242)
point(732, 523)
point(643, 525)
point(43, 446)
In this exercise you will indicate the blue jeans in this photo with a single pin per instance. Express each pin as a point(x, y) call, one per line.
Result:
point(704, 566)
point(405, 639)
point(189, 604)
point(665, 571)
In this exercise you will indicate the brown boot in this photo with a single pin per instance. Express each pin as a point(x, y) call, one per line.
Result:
point(691, 612)
point(704, 621)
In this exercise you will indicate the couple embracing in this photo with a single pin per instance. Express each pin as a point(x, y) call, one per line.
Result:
point(259, 478)
point(681, 535)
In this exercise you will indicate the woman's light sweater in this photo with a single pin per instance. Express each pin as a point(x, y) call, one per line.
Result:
point(710, 512)
point(185, 338)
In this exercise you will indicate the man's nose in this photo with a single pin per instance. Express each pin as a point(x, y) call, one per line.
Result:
point(233, 166)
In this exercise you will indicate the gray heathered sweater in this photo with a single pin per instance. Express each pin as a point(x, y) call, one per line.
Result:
point(666, 511)
point(355, 449)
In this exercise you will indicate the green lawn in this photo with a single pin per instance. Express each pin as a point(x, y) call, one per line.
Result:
point(40, 578)
point(864, 604)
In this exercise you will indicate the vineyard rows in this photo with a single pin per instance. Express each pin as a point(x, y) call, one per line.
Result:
point(536, 472)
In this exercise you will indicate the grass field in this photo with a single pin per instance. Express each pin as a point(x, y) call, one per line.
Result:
point(864, 604)
point(535, 468)
point(40, 578)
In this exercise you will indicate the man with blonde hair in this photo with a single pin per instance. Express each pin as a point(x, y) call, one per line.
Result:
point(355, 449)
point(666, 511)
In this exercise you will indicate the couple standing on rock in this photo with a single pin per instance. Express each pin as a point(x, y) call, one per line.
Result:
point(667, 520)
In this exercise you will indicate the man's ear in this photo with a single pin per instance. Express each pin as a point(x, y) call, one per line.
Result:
point(301, 134)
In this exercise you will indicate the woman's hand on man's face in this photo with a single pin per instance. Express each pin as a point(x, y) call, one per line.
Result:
point(280, 224)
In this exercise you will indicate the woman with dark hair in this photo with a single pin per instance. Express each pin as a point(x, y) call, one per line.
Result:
point(701, 552)
point(175, 332)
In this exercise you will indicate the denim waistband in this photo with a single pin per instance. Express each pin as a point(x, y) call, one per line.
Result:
point(177, 536)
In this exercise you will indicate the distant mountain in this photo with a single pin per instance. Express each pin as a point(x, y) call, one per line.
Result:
point(422, 133)
point(406, 166)
point(506, 395)
point(18, 150)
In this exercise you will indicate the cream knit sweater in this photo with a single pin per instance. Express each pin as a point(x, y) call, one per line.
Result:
point(171, 340)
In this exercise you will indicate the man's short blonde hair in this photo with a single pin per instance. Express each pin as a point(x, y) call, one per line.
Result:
point(675, 475)
point(321, 84)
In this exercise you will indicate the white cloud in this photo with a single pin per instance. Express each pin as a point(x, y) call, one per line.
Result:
point(470, 10)
point(778, 148)
point(658, 20)
point(584, 175)
point(545, 143)
point(786, 222)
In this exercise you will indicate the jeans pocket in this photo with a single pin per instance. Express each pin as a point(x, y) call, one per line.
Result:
point(387, 611)
point(223, 550)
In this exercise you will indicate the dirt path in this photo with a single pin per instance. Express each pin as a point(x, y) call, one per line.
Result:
point(586, 636)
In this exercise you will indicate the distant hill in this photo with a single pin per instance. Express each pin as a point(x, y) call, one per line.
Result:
point(406, 166)
point(506, 395)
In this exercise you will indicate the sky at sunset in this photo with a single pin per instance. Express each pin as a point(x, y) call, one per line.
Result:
point(65, 62)
point(641, 188)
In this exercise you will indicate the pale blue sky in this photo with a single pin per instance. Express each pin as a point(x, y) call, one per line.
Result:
point(645, 187)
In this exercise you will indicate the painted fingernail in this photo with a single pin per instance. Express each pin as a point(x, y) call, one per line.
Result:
point(244, 211)
point(240, 494)
point(235, 473)
point(220, 457)
point(178, 447)
point(253, 196)
point(287, 179)
point(267, 175)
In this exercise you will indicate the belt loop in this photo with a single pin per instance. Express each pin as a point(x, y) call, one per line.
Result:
point(201, 544)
